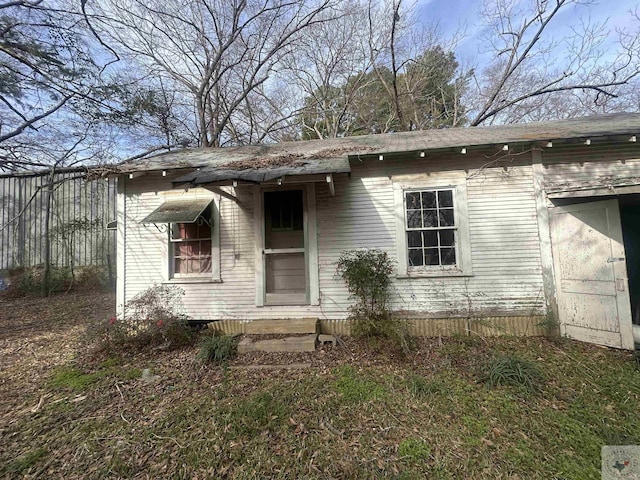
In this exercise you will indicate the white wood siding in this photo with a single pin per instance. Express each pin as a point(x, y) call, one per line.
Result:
point(581, 163)
point(507, 274)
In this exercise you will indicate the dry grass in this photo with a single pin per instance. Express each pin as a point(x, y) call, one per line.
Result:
point(350, 413)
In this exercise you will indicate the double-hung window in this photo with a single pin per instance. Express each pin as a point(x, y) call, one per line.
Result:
point(191, 247)
point(430, 227)
point(432, 231)
point(193, 236)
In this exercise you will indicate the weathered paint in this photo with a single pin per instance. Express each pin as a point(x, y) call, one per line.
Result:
point(593, 295)
point(505, 251)
point(580, 174)
point(544, 235)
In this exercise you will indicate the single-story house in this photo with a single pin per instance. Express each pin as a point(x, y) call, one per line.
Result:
point(492, 229)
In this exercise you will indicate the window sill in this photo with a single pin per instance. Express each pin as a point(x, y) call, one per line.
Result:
point(433, 274)
point(194, 280)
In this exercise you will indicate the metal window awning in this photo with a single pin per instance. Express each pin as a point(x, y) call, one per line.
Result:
point(178, 211)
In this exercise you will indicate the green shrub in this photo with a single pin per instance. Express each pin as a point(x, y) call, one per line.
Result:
point(28, 281)
point(154, 318)
point(513, 371)
point(367, 274)
point(217, 349)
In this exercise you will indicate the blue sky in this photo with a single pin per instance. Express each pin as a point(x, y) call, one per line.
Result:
point(450, 14)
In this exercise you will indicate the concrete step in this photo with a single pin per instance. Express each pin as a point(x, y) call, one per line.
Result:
point(303, 343)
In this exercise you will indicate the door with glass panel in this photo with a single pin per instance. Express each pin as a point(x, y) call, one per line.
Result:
point(285, 256)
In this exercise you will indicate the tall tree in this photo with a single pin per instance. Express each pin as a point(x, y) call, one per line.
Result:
point(536, 76)
point(219, 54)
point(44, 69)
point(428, 93)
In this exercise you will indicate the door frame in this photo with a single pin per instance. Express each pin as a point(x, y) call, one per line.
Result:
point(310, 242)
point(619, 269)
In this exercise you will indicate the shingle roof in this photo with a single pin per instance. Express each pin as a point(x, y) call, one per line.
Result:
point(316, 154)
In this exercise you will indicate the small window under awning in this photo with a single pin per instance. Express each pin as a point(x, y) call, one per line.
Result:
point(178, 211)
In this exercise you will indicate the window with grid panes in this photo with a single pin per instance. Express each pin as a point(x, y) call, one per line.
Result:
point(431, 228)
point(191, 247)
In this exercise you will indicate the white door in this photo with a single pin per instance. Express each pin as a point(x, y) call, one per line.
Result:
point(591, 275)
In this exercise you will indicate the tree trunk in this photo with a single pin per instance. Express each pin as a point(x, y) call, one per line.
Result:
point(47, 240)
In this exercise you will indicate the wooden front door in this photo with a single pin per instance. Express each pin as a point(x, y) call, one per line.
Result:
point(285, 250)
point(591, 276)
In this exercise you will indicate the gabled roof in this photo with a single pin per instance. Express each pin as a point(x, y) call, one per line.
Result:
point(266, 162)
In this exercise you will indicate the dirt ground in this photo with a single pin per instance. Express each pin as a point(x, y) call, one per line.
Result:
point(350, 411)
point(36, 335)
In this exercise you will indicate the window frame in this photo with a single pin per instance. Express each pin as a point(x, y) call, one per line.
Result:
point(462, 242)
point(174, 243)
point(208, 277)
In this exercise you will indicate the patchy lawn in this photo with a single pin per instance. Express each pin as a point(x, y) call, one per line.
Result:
point(343, 412)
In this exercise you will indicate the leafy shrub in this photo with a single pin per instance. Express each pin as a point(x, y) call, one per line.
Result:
point(513, 371)
point(367, 274)
point(214, 348)
point(153, 318)
point(92, 277)
point(28, 281)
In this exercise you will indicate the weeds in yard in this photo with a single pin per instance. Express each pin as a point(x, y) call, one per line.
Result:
point(257, 413)
point(414, 450)
point(355, 388)
point(26, 461)
point(73, 378)
point(511, 370)
point(216, 349)
point(422, 387)
point(367, 421)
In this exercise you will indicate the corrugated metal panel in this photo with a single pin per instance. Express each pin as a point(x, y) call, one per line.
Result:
point(178, 211)
point(430, 327)
point(80, 211)
point(516, 326)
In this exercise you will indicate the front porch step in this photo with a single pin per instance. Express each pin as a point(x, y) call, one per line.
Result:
point(282, 326)
point(303, 343)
